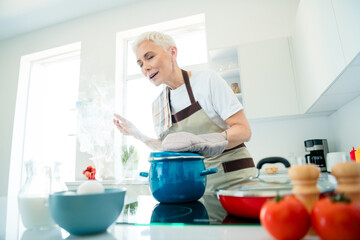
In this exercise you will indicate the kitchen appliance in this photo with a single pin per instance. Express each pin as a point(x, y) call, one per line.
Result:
point(180, 213)
point(318, 149)
point(246, 199)
point(142, 208)
point(334, 158)
point(177, 177)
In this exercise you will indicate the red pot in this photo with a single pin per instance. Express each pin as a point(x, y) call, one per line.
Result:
point(248, 207)
point(246, 199)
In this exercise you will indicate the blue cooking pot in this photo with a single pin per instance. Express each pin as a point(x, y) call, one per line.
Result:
point(177, 177)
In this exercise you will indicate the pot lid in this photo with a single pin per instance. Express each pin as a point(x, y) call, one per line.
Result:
point(155, 156)
point(256, 188)
point(259, 188)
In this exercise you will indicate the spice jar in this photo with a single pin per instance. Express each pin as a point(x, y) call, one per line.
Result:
point(348, 178)
point(304, 179)
point(235, 87)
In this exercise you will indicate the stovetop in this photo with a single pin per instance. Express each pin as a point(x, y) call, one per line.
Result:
point(145, 210)
point(142, 208)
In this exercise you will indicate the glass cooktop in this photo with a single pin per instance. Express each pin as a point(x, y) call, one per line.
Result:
point(142, 209)
point(145, 210)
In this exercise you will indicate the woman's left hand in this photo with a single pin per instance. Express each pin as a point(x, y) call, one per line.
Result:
point(207, 145)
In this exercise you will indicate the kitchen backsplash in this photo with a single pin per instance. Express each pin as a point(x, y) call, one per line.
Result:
point(285, 137)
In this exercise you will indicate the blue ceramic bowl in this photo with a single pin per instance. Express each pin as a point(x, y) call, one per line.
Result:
point(82, 214)
point(177, 177)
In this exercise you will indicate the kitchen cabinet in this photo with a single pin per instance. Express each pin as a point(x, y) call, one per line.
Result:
point(317, 51)
point(347, 15)
point(267, 79)
point(344, 89)
point(225, 62)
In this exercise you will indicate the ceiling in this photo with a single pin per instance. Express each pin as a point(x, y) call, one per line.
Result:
point(19, 16)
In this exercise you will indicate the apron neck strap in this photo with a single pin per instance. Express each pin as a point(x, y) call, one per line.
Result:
point(188, 87)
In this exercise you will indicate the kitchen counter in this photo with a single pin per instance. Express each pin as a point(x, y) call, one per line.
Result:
point(158, 232)
point(140, 230)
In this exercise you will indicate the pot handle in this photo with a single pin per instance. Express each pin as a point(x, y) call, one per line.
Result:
point(273, 160)
point(144, 174)
point(208, 171)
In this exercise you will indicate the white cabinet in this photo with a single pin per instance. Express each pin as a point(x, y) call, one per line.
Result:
point(225, 62)
point(347, 14)
point(317, 51)
point(267, 79)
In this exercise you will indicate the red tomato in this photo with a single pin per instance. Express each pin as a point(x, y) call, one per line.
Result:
point(286, 218)
point(336, 219)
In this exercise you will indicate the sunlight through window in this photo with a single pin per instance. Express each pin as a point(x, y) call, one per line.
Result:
point(51, 117)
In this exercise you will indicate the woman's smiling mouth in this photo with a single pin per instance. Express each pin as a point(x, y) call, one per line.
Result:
point(153, 75)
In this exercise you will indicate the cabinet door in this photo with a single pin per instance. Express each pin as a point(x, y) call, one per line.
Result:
point(318, 56)
point(267, 79)
point(347, 13)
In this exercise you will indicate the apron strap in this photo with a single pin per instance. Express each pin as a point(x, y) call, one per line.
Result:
point(238, 164)
point(188, 87)
point(192, 108)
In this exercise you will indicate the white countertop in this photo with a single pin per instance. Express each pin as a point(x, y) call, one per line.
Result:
point(160, 232)
point(15, 230)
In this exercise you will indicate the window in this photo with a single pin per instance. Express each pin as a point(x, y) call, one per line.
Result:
point(48, 107)
point(135, 93)
point(44, 120)
point(51, 119)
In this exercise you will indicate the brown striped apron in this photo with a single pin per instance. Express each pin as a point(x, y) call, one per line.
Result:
point(234, 165)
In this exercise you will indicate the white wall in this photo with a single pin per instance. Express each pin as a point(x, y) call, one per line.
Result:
point(285, 137)
point(228, 23)
point(345, 125)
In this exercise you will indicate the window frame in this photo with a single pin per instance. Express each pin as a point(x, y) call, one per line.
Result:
point(122, 77)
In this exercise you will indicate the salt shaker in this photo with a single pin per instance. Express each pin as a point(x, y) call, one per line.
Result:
point(304, 179)
point(348, 177)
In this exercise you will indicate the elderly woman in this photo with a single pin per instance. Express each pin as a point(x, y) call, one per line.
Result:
point(196, 112)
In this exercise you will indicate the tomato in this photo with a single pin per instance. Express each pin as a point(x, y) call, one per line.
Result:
point(336, 219)
point(286, 218)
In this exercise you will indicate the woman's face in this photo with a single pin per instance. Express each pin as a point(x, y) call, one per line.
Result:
point(156, 63)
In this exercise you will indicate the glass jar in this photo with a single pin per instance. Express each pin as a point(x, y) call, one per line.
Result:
point(57, 184)
point(33, 198)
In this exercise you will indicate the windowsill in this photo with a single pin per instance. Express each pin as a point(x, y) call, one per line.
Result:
point(110, 183)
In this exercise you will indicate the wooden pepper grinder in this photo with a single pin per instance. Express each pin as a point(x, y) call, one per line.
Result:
point(348, 177)
point(304, 179)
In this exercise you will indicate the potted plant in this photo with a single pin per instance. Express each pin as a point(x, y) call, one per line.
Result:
point(129, 160)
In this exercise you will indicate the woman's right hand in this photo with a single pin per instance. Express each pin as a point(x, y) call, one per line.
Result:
point(126, 127)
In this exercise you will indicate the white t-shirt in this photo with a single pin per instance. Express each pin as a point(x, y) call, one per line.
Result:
point(212, 92)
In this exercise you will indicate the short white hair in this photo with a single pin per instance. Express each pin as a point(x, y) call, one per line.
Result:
point(160, 39)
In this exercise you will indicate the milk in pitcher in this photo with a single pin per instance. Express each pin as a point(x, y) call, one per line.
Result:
point(35, 213)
